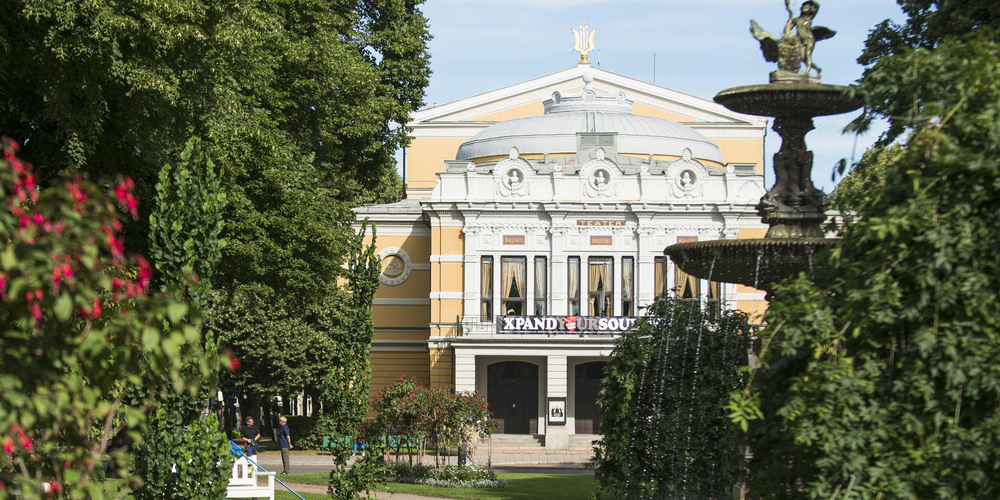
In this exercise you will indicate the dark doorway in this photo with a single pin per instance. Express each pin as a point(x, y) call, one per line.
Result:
point(588, 384)
point(512, 394)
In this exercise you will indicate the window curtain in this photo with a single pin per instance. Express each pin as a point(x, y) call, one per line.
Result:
point(598, 286)
point(628, 273)
point(513, 278)
point(540, 286)
point(574, 285)
point(687, 285)
point(660, 279)
point(574, 280)
point(486, 290)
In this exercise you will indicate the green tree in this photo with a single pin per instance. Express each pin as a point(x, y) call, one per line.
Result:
point(301, 105)
point(345, 395)
point(928, 24)
point(866, 181)
point(78, 329)
point(881, 379)
point(665, 431)
point(186, 222)
point(183, 455)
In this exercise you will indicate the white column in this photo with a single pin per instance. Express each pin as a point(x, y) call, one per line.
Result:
point(465, 372)
point(556, 436)
point(472, 266)
point(558, 295)
point(645, 271)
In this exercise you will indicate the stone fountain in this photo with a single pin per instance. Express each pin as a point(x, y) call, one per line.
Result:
point(794, 209)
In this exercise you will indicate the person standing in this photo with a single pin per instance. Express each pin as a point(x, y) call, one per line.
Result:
point(285, 444)
point(275, 424)
point(250, 434)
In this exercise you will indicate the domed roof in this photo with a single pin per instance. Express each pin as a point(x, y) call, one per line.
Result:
point(556, 131)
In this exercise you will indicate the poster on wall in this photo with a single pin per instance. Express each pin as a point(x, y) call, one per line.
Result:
point(557, 411)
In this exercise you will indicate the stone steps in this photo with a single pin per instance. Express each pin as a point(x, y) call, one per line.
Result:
point(536, 442)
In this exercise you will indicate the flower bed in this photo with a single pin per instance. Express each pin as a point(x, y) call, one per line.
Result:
point(473, 476)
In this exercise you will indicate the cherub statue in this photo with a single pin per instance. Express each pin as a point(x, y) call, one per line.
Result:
point(791, 51)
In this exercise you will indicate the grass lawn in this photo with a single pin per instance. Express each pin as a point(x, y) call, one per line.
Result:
point(519, 485)
point(547, 486)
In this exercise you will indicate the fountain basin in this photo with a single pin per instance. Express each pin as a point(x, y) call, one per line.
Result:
point(758, 263)
point(804, 100)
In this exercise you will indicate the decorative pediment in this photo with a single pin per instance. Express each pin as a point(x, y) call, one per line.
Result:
point(600, 176)
point(687, 176)
point(511, 174)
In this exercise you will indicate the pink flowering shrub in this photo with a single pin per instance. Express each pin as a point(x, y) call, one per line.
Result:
point(438, 416)
point(78, 329)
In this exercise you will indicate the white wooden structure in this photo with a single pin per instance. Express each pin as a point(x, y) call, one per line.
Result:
point(243, 483)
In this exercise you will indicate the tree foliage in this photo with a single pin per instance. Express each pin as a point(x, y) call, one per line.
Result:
point(345, 394)
point(866, 181)
point(186, 222)
point(79, 328)
point(183, 456)
point(665, 428)
point(300, 104)
point(881, 379)
point(928, 24)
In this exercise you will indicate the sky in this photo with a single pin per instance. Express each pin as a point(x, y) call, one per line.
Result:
point(699, 47)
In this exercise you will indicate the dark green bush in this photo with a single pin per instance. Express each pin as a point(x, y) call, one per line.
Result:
point(304, 432)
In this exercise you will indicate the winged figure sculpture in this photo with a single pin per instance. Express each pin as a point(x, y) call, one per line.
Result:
point(798, 39)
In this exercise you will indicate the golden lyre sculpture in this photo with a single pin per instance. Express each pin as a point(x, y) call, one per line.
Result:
point(584, 42)
point(793, 50)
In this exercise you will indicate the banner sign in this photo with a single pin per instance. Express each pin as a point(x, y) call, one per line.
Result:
point(618, 223)
point(600, 325)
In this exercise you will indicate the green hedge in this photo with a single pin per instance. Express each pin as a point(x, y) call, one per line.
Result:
point(303, 431)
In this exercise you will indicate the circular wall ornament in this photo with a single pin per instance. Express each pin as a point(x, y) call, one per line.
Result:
point(396, 266)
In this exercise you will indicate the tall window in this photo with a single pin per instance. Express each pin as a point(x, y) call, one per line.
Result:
point(628, 286)
point(541, 289)
point(512, 277)
point(688, 287)
point(601, 289)
point(573, 286)
point(714, 302)
point(486, 288)
point(660, 275)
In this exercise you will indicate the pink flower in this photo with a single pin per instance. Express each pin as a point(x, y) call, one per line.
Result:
point(21, 436)
point(145, 273)
point(8, 445)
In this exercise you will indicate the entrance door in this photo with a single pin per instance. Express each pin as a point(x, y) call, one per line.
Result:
point(588, 384)
point(512, 395)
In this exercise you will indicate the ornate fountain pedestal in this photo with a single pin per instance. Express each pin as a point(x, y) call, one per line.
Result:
point(793, 208)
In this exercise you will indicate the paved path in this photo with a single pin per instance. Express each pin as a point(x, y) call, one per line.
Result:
point(271, 460)
point(380, 495)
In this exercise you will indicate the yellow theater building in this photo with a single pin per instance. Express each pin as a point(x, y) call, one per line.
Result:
point(533, 230)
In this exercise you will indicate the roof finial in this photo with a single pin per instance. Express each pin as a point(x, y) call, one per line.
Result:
point(584, 42)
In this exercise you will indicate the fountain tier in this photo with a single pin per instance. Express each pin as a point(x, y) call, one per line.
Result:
point(758, 263)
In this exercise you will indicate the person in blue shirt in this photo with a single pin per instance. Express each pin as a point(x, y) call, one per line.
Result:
point(285, 444)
